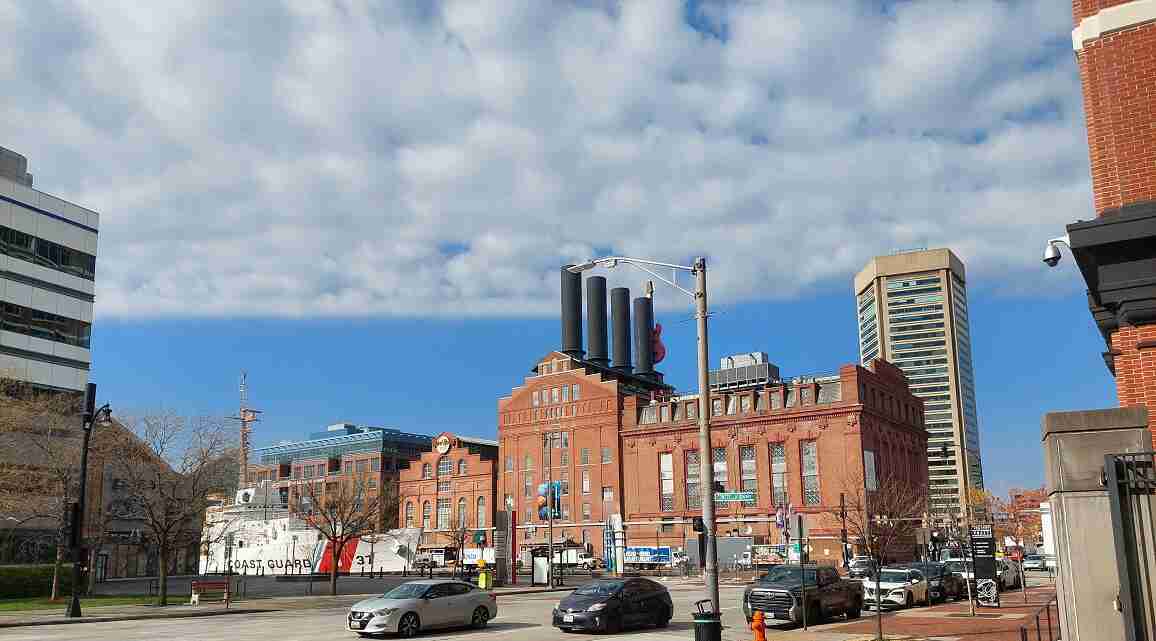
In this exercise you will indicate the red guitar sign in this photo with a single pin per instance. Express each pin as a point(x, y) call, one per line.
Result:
point(656, 345)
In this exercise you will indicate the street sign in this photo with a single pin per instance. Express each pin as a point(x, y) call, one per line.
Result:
point(734, 497)
point(983, 559)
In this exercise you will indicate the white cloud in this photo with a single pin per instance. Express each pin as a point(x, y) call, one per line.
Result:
point(420, 158)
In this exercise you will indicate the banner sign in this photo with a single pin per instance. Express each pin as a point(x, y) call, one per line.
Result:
point(984, 566)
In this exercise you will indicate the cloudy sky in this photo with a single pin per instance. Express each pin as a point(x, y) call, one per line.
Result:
point(417, 158)
point(393, 181)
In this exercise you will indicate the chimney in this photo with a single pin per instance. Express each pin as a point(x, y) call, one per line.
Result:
point(643, 330)
point(571, 313)
point(596, 320)
point(620, 323)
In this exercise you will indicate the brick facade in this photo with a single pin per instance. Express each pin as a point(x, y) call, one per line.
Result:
point(1117, 61)
point(617, 439)
point(458, 471)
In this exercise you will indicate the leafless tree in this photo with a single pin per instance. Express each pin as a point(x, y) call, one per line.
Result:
point(40, 442)
point(172, 466)
point(340, 510)
point(459, 533)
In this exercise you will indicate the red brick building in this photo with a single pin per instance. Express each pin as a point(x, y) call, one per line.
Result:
point(1115, 44)
point(452, 483)
point(625, 443)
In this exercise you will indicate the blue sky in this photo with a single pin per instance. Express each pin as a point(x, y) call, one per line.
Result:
point(365, 203)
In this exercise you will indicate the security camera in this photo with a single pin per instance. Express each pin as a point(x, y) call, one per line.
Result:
point(1052, 250)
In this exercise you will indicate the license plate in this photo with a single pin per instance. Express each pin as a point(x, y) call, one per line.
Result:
point(780, 615)
point(357, 625)
point(567, 618)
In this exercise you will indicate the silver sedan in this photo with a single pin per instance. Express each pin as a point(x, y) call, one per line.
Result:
point(420, 605)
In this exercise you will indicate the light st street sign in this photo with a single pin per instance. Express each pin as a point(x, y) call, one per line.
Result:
point(734, 497)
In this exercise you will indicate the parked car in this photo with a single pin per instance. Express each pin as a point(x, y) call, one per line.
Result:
point(1008, 574)
point(779, 594)
point(1035, 562)
point(611, 605)
point(902, 587)
point(420, 605)
point(861, 566)
point(942, 583)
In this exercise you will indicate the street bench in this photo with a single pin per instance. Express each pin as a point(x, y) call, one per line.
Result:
point(200, 588)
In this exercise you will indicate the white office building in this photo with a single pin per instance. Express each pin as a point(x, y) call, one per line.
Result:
point(47, 271)
point(912, 311)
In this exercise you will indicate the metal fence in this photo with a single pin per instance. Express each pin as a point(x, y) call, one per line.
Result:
point(1043, 625)
point(1131, 484)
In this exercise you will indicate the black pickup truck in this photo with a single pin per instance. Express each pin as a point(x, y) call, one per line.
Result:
point(779, 594)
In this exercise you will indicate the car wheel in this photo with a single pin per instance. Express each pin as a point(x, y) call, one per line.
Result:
point(909, 601)
point(662, 618)
point(480, 618)
point(409, 625)
point(612, 624)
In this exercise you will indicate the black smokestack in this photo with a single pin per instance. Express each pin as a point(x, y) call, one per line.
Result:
point(571, 313)
point(620, 321)
point(596, 320)
point(643, 324)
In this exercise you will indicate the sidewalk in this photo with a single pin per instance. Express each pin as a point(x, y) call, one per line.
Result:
point(178, 608)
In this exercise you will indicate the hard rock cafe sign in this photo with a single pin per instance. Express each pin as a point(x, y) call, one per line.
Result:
point(442, 444)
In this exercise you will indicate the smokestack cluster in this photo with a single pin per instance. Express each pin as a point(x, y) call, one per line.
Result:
point(597, 351)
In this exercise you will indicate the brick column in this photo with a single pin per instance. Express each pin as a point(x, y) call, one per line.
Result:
point(1115, 45)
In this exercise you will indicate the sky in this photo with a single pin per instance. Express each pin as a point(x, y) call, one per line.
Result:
point(365, 204)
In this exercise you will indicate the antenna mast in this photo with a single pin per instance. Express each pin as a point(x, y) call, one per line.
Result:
point(247, 416)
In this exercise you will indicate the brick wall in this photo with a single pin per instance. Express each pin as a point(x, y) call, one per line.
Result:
point(1135, 357)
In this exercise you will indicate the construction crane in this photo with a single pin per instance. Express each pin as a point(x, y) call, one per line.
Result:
point(246, 416)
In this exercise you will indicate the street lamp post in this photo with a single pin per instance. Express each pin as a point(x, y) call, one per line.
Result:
point(90, 415)
point(706, 462)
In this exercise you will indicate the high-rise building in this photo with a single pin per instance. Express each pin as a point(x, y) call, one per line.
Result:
point(912, 311)
point(47, 272)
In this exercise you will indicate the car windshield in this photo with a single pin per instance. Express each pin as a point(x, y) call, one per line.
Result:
point(788, 574)
point(407, 591)
point(1033, 557)
point(602, 588)
point(958, 566)
point(892, 576)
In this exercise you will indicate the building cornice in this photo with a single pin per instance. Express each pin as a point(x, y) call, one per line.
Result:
point(1112, 19)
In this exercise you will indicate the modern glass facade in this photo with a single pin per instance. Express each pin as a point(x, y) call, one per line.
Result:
point(918, 320)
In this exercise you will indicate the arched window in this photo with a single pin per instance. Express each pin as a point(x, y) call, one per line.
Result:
point(463, 516)
point(409, 514)
point(426, 471)
point(462, 467)
point(445, 466)
point(481, 512)
point(425, 514)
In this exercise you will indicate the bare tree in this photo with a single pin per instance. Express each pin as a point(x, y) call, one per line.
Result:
point(172, 466)
point(340, 510)
point(459, 533)
point(40, 441)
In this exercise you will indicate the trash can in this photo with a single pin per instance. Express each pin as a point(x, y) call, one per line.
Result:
point(707, 624)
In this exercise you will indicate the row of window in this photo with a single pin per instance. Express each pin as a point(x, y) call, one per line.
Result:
point(563, 394)
point(562, 442)
point(33, 322)
point(27, 247)
point(443, 514)
point(748, 474)
point(445, 468)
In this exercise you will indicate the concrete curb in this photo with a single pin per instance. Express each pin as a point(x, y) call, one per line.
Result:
point(137, 617)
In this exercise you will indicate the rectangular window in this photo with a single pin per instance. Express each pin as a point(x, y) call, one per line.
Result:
point(534, 399)
point(692, 410)
point(664, 414)
point(443, 486)
point(749, 482)
point(565, 482)
point(584, 456)
point(565, 512)
point(565, 457)
point(666, 476)
point(361, 466)
point(443, 514)
point(716, 407)
point(554, 394)
point(585, 511)
point(649, 415)
point(565, 393)
point(607, 494)
point(574, 392)
point(509, 464)
point(810, 457)
point(528, 484)
point(693, 498)
point(745, 403)
point(308, 471)
point(732, 404)
point(375, 465)
point(372, 483)
point(869, 479)
point(720, 466)
point(606, 455)
point(585, 481)
point(779, 473)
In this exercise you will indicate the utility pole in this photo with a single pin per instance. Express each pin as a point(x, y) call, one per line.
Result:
point(550, 498)
point(706, 453)
point(843, 532)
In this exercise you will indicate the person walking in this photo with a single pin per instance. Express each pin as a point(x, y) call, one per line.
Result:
point(759, 625)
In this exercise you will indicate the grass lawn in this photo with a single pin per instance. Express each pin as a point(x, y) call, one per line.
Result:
point(42, 603)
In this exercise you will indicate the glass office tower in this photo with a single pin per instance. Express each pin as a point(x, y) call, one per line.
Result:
point(912, 311)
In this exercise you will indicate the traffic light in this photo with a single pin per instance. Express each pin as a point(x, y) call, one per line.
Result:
point(698, 525)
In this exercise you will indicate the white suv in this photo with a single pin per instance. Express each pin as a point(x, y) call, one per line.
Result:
point(903, 587)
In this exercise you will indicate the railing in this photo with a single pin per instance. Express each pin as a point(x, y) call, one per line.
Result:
point(1042, 623)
